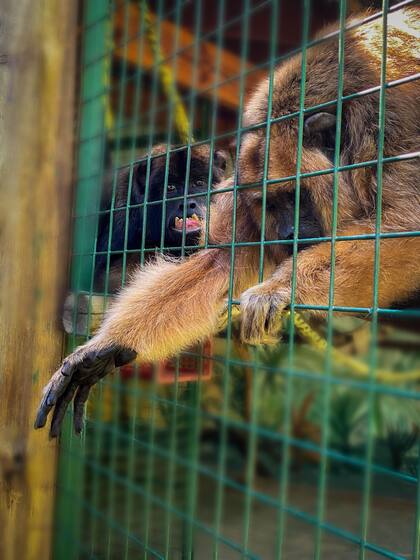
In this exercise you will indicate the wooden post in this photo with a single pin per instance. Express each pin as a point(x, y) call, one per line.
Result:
point(37, 77)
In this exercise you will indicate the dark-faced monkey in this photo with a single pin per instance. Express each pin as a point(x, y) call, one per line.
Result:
point(141, 217)
point(161, 223)
point(171, 305)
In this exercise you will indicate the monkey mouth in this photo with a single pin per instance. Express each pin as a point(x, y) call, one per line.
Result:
point(193, 224)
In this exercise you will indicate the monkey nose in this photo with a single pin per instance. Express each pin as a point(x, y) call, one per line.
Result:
point(291, 233)
point(190, 206)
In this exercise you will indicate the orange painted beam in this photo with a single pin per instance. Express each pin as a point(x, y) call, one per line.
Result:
point(182, 60)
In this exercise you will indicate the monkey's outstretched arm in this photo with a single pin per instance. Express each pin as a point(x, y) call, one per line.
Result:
point(166, 308)
point(169, 306)
point(399, 276)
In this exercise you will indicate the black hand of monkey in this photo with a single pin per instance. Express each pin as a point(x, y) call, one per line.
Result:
point(73, 381)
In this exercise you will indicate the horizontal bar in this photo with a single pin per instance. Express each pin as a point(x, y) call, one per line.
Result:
point(311, 240)
point(164, 107)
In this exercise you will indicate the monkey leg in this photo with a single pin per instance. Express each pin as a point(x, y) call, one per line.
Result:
point(399, 278)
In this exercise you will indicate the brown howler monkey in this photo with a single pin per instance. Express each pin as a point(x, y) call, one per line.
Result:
point(170, 305)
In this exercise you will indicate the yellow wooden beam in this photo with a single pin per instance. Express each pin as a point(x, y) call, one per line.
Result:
point(37, 120)
point(230, 64)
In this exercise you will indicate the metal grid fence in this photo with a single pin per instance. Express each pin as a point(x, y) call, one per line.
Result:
point(282, 453)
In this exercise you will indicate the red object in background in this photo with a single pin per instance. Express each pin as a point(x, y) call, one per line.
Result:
point(195, 365)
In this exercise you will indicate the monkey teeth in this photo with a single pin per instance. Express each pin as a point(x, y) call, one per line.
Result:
point(192, 223)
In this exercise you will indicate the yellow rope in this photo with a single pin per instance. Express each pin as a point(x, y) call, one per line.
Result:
point(359, 368)
point(109, 43)
point(166, 77)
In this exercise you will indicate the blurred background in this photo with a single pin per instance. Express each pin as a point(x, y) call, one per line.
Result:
point(226, 451)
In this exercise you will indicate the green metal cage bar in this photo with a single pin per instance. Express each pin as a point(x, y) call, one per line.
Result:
point(133, 485)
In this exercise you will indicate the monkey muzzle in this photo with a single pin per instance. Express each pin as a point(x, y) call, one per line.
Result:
point(192, 223)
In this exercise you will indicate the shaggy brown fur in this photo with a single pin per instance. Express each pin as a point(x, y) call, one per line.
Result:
point(170, 306)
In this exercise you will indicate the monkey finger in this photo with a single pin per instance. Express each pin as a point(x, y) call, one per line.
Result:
point(52, 391)
point(43, 409)
point(86, 365)
point(107, 360)
point(79, 407)
point(253, 317)
point(260, 315)
point(58, 384)
point(273, 321)
point(60, 410)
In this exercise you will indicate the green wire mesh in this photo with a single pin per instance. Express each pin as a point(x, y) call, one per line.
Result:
point(276, 456)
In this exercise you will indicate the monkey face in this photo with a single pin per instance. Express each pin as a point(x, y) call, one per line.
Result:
point(280, 160)
point(183, 206)
point(146, 214)
point(193, 208)
point(280, 217)
point(316, 141)
point(282, 207)
point(280, 202)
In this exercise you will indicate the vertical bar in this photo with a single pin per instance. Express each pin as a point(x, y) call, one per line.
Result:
point(190, 479)
point(89, 169)
point(214, 109)
point(35, 205)
point(325, 419)
point(192, 502)
point(221, 467)
point(170, 482)
point(153, 389)
point(284, 474)
point(373, 350)
point(114, 383)
point(255, 388)
point(101, 42)
point(139, 82)
point(416, 537)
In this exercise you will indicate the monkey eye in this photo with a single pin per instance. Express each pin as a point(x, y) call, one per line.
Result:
point(200, 183)
point(319, 131)
point(171, 188)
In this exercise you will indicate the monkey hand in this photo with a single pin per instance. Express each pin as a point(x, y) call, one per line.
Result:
point(74, 379)
point(261, 308)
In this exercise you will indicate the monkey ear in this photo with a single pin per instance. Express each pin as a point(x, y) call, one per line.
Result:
point(139, 175)
point(140, 171)
point(220, 159)
point(138, 187)
point(319, 122)
point(319, 131)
